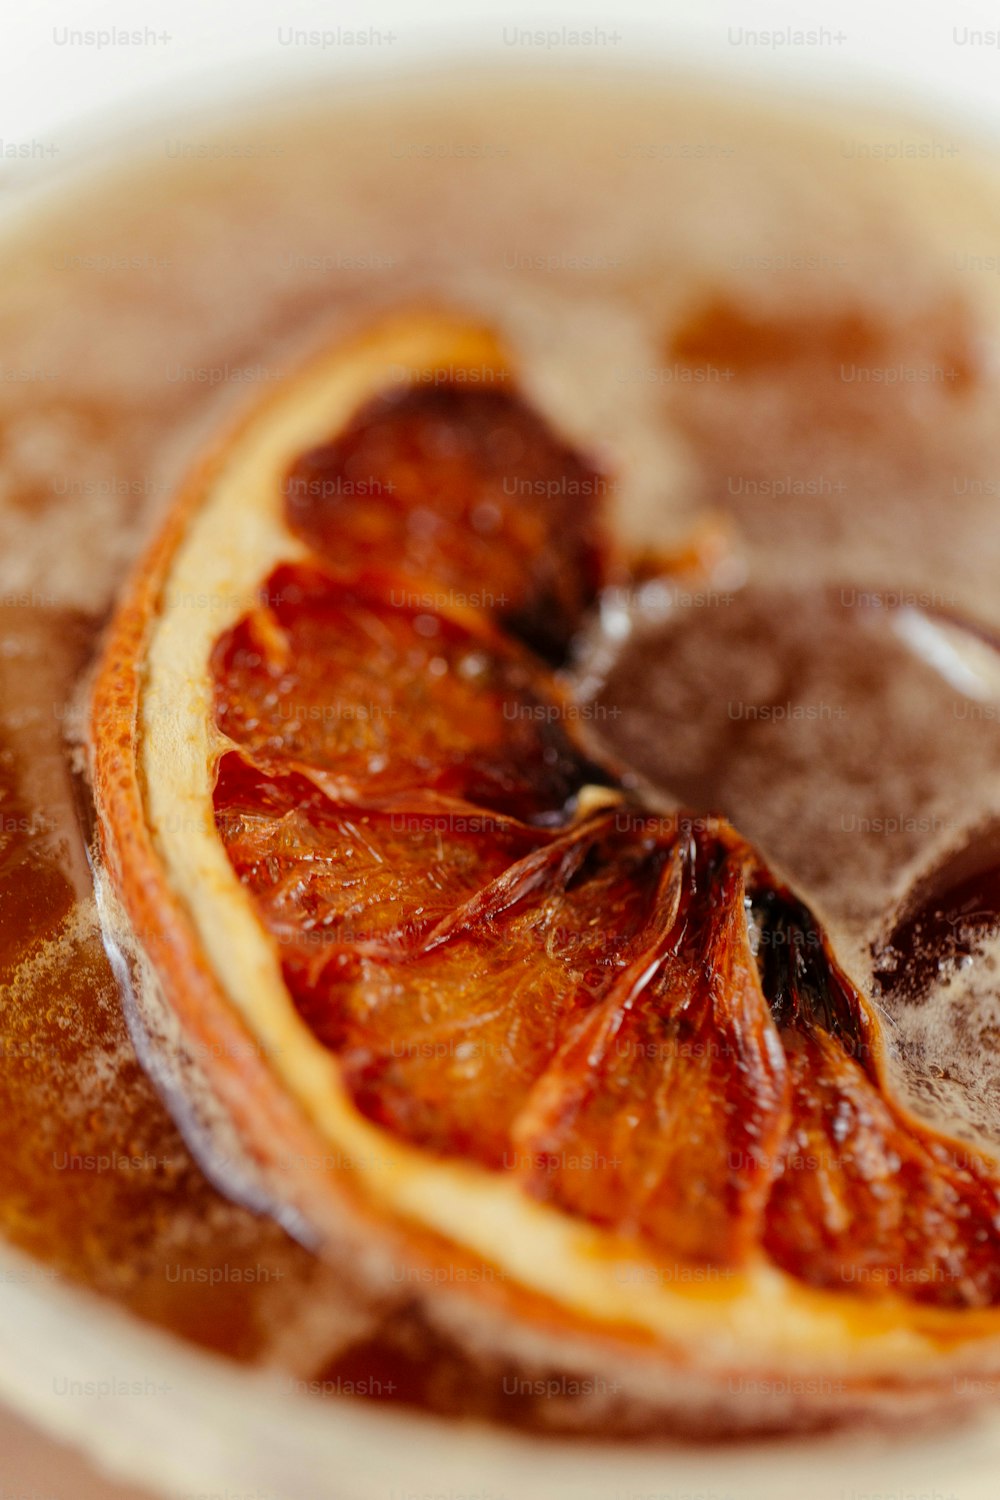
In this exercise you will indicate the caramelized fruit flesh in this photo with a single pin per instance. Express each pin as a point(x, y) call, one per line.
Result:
point(625, 1013)
point(444, 1043)
point(861, 1199)
point(467, 490)
point(359, 689)
point(333, 873)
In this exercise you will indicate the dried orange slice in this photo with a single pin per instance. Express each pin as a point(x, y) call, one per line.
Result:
point(504, 1016)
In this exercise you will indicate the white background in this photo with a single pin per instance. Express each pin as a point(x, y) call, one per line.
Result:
point(49, 88)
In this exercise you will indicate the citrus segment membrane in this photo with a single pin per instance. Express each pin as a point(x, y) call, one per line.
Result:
point(674, 1087)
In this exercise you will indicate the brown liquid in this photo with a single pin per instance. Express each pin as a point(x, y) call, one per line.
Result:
point(144, 311)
